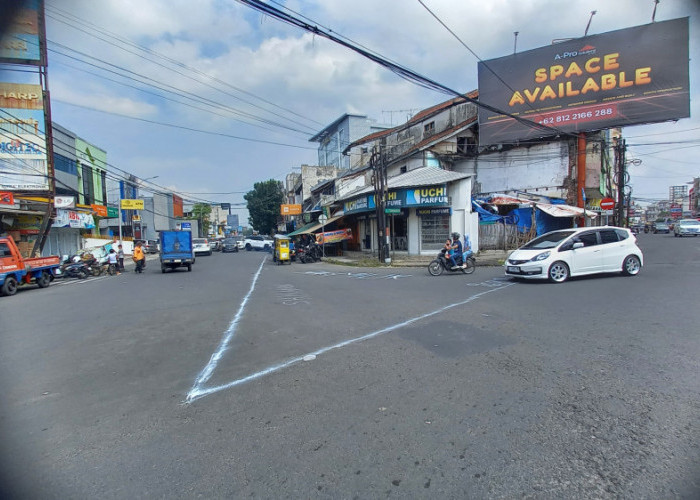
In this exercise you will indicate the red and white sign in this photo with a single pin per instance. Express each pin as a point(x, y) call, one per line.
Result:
point(607, 204)
point(6, 198)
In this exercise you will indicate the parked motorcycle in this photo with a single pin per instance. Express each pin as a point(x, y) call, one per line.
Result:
point(72, 269)
point(309, 253)
point(442, 263)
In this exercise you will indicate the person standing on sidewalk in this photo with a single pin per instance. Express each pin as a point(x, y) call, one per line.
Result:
point(120, 258)
point(139, 258)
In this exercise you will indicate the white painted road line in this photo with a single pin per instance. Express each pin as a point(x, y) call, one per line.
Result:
point(198, 391)
point(208, 370)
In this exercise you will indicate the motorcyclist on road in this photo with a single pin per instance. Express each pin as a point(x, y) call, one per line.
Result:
point(456, 250)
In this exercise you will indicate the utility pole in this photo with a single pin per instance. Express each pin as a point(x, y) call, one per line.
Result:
point(620, 149)
point(380, 190)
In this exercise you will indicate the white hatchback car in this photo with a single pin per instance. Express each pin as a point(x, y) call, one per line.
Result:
point(561, 254)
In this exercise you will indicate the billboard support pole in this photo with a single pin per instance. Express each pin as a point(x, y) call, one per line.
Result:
point(581, 174)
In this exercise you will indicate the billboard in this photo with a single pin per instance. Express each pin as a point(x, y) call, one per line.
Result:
point(19, 44)
point(177, 206)
point(625, 77)
point(23, 161)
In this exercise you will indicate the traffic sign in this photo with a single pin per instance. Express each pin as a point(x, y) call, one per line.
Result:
point(392, 210)
point(322, 219)
point(607, 204)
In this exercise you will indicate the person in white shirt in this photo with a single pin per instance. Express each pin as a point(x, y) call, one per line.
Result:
point(113, 263)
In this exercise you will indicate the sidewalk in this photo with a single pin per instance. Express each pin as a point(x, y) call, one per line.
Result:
point(362, 259)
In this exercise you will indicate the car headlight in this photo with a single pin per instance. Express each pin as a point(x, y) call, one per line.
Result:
point(541, 256)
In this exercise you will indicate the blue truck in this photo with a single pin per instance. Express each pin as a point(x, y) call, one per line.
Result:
point(176, 250)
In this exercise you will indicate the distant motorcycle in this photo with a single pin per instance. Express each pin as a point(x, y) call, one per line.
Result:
point(441, 263)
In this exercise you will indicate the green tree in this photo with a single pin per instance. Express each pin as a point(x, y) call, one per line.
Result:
point(264, 205)
point(201, 212)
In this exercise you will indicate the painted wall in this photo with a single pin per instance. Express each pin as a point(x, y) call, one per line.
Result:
point(96, 158)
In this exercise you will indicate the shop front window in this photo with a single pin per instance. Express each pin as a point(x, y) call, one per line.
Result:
point(434, 230)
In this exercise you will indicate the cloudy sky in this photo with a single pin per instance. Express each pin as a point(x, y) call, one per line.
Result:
point(212, 96)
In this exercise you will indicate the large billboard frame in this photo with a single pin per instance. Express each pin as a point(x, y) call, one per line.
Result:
point(625, 77)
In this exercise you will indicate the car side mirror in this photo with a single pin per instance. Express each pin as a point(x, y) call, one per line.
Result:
point(578, 244)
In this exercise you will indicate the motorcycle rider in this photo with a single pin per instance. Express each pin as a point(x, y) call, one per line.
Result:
point(456, 250)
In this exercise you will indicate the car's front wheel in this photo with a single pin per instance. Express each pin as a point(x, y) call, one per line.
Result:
point(631, 265)
point(558, 272)
point(248, 247)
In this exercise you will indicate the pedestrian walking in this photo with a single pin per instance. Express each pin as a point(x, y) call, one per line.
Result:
point(120, 258)
point(139, 258)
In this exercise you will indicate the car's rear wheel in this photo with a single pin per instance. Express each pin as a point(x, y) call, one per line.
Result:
point(631, 265)
point(558, 272)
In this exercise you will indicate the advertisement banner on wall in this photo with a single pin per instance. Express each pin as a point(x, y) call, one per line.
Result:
point(177, 206)
point(620, 78)
point(69, 218)
point(334, 236)
point(19, 43)
point(23, 163)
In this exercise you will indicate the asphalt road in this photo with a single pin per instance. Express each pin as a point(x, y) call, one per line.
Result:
point(244, 378)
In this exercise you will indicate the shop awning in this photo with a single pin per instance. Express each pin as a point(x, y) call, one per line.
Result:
point(315, 226)
point(302, 229)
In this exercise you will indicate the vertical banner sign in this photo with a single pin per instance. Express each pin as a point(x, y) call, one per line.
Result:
point(625, 77)
point(23, 161)
point(19, 44)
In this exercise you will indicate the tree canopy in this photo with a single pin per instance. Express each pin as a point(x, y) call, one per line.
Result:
point(201, 212)
point(264, 205)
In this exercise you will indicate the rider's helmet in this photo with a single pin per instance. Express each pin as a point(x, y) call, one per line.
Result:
point(455, 236)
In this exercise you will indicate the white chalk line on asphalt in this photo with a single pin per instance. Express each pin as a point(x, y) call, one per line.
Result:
point(208, 370)
point(198, 391)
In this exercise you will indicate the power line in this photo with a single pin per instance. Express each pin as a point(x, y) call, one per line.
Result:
point(100, 30)
point(398, 69)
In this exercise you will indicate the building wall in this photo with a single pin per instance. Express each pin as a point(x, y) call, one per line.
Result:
point(96, 159)
point(162, 216)
point(540, 169)
point(65, 161)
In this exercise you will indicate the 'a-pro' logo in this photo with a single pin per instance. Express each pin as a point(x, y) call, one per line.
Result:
point(583, 51)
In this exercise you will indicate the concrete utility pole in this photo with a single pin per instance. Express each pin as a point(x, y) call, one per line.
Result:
point(620, 149)
point(380, 190)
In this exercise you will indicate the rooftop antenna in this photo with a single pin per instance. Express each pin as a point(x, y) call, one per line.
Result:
point(653, 14)
point(589, 22)
point(515, 41)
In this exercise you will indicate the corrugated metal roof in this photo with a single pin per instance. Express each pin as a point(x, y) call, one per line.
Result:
point(423, 176)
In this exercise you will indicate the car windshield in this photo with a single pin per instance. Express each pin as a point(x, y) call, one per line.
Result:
point(199, 241)
point(229, 241)
point(549, 240)
point(690, 223)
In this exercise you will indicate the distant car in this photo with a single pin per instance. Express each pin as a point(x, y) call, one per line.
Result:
point(201, 246)
point(561, 254)
point(215, 244)
point(661, 227)
point(258, 242)
point(229, 245)
point(150, 246)
point(686, 227)
point(240, 242)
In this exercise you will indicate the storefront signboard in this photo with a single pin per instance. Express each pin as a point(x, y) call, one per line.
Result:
point(420, 212)
point(402, 198)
